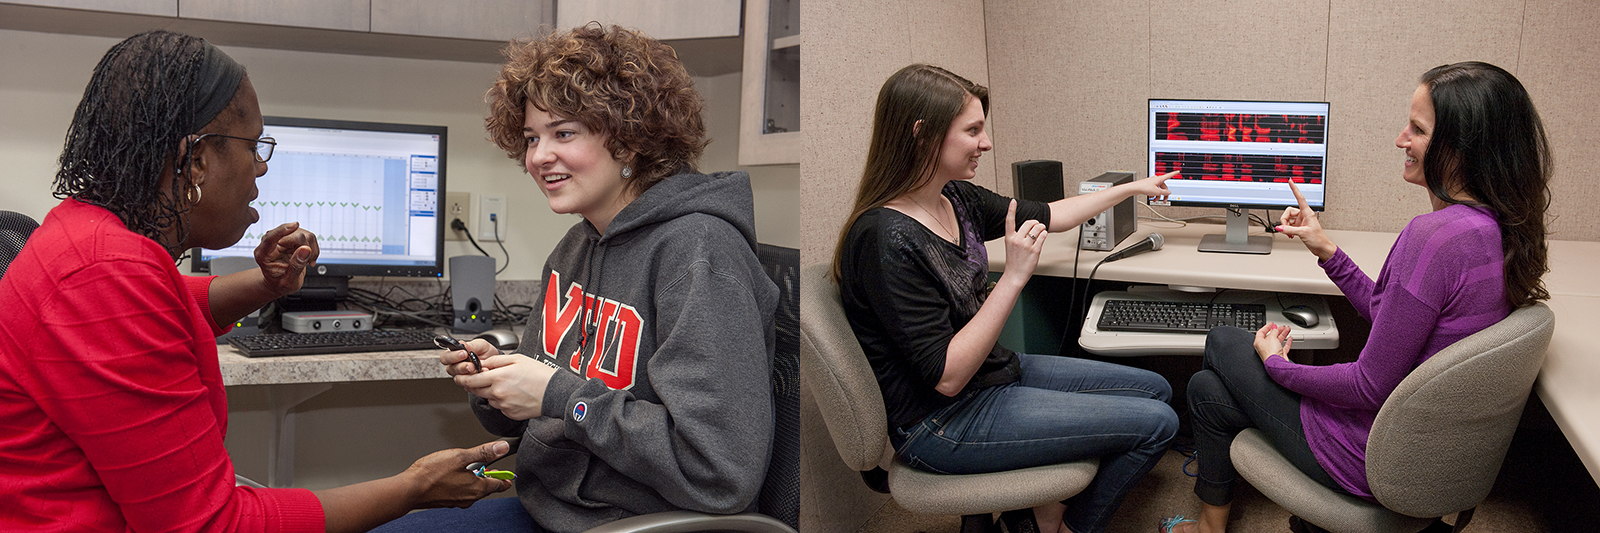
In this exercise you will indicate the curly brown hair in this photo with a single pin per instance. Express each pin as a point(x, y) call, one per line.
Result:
point(619, 82)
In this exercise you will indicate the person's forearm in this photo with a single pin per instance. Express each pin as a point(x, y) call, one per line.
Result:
point(1069, 212)
point(363, 506)
point(238, 294)
point(970, 346)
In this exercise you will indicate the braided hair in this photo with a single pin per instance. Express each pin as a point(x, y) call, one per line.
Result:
point(146, 96)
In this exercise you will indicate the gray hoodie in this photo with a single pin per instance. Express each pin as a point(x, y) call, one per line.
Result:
point(676, 412)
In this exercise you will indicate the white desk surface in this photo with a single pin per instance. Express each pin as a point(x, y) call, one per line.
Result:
point(1569, 382)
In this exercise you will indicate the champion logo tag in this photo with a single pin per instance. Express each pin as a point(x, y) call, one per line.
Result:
point(579, 411)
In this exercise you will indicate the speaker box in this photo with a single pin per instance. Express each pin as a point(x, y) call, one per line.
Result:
point(1103, 231)
point(472, 292)
point(1038, 180)
point(250, 324)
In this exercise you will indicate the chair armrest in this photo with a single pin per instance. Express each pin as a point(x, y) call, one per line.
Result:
point(687, 521)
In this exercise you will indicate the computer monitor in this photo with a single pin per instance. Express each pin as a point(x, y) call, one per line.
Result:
point(1239, 155)
point(371, 192)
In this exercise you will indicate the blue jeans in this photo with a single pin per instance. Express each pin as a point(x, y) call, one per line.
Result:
point(1062, 410)
point(500, 515)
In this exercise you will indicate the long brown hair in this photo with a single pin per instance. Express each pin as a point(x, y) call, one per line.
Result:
point(915, 108)
point(1489, 142)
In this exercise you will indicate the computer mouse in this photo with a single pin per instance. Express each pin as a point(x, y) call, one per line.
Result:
point(1301, 315)
point(502, 339)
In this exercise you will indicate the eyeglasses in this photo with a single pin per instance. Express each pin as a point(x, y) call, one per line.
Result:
point(264, 145)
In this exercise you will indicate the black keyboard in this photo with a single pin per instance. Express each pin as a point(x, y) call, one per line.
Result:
point(269, 344)
point(1179, 317)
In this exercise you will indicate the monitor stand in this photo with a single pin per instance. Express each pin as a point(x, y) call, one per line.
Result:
point(1238, 239)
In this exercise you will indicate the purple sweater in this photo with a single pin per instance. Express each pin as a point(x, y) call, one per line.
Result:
point(1443, 280)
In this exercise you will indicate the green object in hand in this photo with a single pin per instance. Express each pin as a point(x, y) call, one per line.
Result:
point(500, 474)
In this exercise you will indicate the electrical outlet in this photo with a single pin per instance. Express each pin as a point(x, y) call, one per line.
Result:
point(492, 218)
point(457, 205)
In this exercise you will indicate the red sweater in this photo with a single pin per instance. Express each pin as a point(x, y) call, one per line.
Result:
point(112, 408)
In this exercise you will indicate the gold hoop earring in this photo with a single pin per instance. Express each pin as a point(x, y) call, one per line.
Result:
point(627, 172)
point(194, 195)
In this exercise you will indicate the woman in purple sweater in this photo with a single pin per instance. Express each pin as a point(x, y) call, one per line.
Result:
point(1475, 142)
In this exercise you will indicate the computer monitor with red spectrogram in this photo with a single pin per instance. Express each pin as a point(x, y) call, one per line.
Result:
point(1240, 155)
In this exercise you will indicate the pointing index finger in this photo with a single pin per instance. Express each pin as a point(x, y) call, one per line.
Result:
point(1299, 197)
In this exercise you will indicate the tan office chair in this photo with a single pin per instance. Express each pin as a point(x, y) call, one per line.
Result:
point(846, 391)
point(1437, 443)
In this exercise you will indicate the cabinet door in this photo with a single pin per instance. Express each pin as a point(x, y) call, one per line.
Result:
point(351, 15)
point(661, 19)
point(769, 110)
point(165, 8)
point(488, 20)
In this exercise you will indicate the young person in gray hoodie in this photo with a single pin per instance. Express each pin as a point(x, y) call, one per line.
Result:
point(643, 379)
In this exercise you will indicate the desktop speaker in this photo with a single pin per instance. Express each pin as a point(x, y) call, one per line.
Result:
point(1103, 231)
point(472, 292)
point(250, 324)
point(1037, 180)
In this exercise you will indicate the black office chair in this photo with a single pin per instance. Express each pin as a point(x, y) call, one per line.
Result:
point(14, 231)
point(779, 500)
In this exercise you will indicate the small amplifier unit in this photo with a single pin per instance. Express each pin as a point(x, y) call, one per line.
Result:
point(1103, 231)
point(319, 321)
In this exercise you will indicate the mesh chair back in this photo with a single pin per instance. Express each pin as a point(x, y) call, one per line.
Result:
point(1438, 441)
point(14, 231)
point(780, 492)
point(837, 371)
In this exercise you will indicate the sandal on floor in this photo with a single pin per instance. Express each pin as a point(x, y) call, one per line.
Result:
point(1167, 524)
point(1019, 521)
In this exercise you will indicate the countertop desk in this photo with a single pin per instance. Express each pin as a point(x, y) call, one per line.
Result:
point(1569, 383)
point(297, 378)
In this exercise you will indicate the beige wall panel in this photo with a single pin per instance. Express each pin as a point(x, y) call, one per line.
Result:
point(851, 48)
point(1560, 66)
point(1220, 49)
point(950, 34)
point(1069, 84)
point(1230, 50)
point(1376, 52)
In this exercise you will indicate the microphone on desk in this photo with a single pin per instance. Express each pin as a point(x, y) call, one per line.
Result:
point(1149, 244)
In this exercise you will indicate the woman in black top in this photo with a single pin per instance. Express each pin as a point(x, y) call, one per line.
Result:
point(913, 270)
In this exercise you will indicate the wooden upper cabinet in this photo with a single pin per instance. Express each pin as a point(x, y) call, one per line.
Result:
point(661, 19)
point(350, 15)
point(164, 8)
point(489, 20)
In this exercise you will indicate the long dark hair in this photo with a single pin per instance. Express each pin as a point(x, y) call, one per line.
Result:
point(1488, 142)
point(902, 154)
point(128, 129)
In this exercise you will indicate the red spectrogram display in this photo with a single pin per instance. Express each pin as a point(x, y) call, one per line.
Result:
point(1241, 167)
point(1241, 127)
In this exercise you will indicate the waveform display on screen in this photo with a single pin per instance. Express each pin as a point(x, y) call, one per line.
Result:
point(1241, 127)
point(1241, 167)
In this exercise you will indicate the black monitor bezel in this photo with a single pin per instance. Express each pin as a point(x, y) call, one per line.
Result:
point(1149, 123)
point(199, 265)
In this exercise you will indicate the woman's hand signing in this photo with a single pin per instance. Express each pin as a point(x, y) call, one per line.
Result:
point(1273, 339)
point(512, 383)
point(1301, 222)
point(1023, 245)
point(284, 254)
